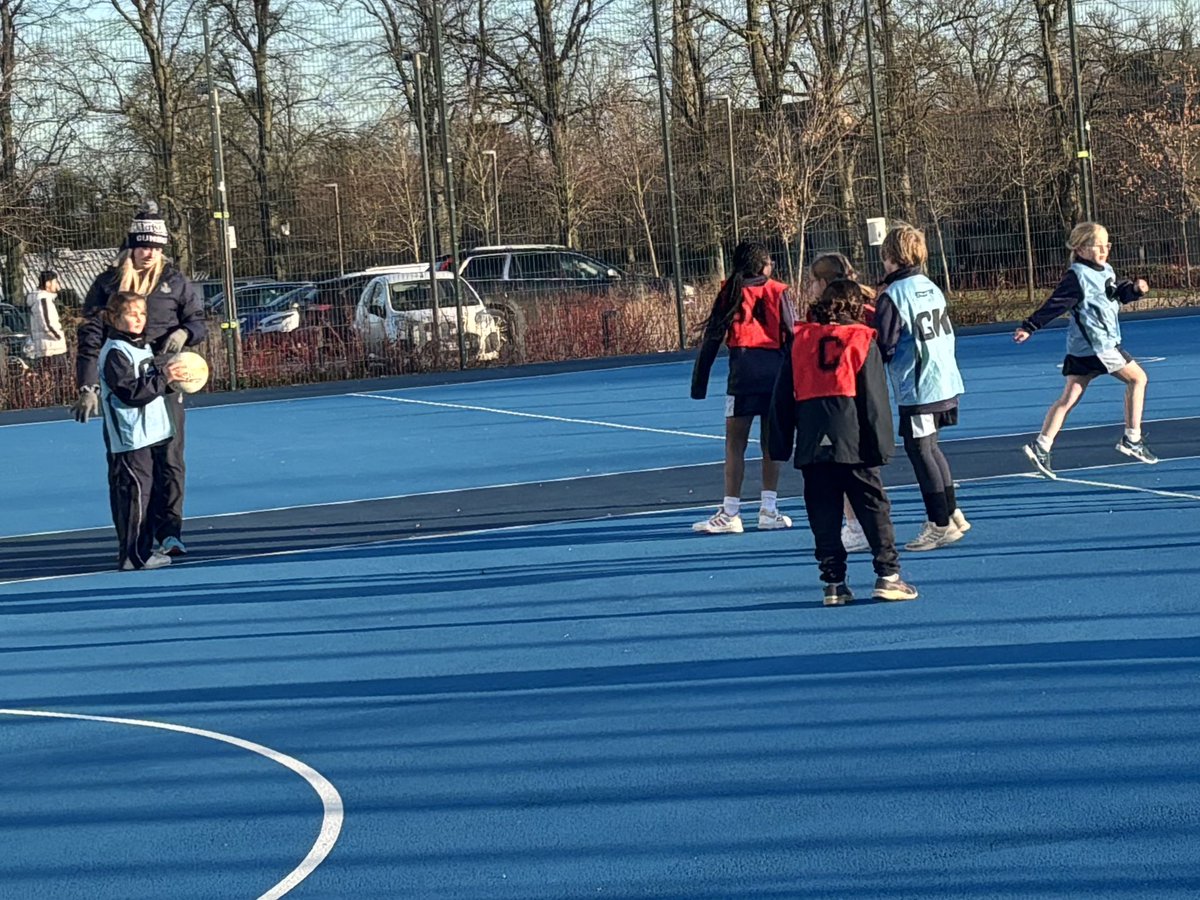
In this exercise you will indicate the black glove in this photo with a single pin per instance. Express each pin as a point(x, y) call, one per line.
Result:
point(87, 404)
point(176, 341)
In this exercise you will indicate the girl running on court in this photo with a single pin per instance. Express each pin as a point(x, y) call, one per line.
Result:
point(917, 342)
point(754, 315)
point(1091, 294)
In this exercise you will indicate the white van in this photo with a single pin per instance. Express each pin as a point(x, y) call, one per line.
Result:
point(394, 308)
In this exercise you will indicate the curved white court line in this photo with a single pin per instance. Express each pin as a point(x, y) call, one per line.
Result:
point(331, 800)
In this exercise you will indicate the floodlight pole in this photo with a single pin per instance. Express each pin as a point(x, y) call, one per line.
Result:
point(435, 14)
point(495, 188)
point(221, 213)
point(737, 234)
point(1081, 144)
point(880, 170)
point(337, 211)
point(430, 229)
point(676, 260)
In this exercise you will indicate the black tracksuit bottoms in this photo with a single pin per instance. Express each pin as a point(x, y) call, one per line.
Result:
point(825, 485)
point(165, 512)
point(130, 485)
point(166, 500)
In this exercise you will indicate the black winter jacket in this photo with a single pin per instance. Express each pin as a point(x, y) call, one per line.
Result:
point(173, 303)
point(849, 430)
point(752, 370)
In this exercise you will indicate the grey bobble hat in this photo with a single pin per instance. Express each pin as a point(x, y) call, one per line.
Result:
point(148, 228)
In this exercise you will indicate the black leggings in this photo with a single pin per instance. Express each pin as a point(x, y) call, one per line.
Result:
point(933, 475)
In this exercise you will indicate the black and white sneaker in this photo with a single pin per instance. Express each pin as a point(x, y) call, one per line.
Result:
point(838, 594)
point(1137, 449)
point(893, 589)
point(1040, 459)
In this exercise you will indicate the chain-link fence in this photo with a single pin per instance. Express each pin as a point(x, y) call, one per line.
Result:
point(372, 135)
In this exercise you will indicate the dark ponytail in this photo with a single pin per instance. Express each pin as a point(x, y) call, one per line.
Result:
point(749, 261)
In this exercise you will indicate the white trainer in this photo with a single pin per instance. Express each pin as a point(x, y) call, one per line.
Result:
point(960, 521)
point(933, 536)
point(719, 523)
point(770, 520)
point(853, 538)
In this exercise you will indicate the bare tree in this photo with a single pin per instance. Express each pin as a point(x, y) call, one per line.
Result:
point(794, 147)
point(540, 65)
point(253, 26)
point(1161, 163)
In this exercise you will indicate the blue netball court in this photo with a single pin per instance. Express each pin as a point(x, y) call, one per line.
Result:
point(457, 641)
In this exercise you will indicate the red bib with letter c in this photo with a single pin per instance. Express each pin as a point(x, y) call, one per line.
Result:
point(826, 359)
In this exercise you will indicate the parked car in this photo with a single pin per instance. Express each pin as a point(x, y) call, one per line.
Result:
point(395, 308)
point(282, 313)
point(212, 287)
point(548, 267)
point(338, 297)
point(253, 295)
point(14, 330)
point(512, 278)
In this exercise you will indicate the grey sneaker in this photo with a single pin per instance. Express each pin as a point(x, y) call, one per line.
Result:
point(156, 561)
point(960, 521)
point(1040, 459)
point(931, 537)
point(893, 590)
point(838, 594)
point(1137, 449)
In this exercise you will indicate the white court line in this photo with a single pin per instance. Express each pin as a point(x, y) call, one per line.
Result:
point(1174, 495)
point(506, 380)
point(415, 387)
point(328, 503)
point(331, 800)
point(528, 415)
point(469, 532)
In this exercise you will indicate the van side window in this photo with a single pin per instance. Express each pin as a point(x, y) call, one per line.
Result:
point(484, 268)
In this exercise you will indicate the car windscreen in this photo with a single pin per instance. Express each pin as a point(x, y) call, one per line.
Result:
point(411, 296)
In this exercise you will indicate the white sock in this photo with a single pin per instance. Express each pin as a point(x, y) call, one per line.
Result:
point(731, 505)
point(895, 577)
point(770, 501)
point(1044, 443)
point(1133, 435)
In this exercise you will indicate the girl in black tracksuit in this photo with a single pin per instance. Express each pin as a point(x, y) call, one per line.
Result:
point(754, 315)
point(831, 400)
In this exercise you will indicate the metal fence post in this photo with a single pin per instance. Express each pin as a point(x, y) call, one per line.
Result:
point(676, 259)
point(435, 10)
point(221, 213)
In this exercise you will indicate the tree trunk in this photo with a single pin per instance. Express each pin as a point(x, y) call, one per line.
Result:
point(12, 247)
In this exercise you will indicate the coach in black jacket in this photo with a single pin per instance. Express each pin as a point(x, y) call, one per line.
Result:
point(174, 320)
point(831, 400)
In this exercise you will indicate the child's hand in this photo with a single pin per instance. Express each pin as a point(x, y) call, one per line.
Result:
point(175, 371)
point(1020, 335)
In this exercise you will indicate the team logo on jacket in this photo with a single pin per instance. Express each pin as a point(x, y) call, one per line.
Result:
point(165, 288)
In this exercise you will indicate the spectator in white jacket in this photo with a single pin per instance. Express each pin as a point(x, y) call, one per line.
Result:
point(47, 343)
